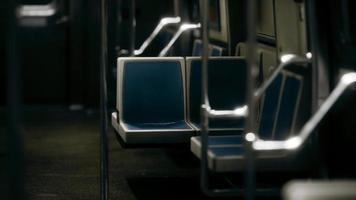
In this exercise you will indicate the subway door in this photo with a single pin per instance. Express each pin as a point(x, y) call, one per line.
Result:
point(43, 53)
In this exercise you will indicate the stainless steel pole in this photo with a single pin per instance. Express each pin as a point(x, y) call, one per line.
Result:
point(104, 179)
point(252, 75)
point(16, 164)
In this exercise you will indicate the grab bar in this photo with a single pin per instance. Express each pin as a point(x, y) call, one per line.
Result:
point(286, 60)
point(182, 29)
point(295, 142)
point(238, 112)
point(164, 22)
point(242, 111)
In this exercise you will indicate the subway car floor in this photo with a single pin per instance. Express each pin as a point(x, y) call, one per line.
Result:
point(62, 160)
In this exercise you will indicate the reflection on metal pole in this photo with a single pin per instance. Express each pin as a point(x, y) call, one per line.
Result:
point(133, 27)
point(204, 97)
point(104, 187)
point(252, 76)
point(14, 105)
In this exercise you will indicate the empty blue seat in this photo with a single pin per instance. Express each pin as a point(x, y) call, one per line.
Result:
point(216, 142)
point(270, 104)
point(213, 49)
point(151, 101)
point(227, 89)
point(280, 116)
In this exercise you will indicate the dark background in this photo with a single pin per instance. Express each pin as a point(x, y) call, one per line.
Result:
point(60, 62)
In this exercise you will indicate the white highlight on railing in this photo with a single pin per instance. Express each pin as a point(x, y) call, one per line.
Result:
point(236, 113)
point(182, 29)
point(296, 141)
point(287, 57)
point(46, 10)
point(309, 55)
point(290, 144)
point(250, 137)
point(164, 22)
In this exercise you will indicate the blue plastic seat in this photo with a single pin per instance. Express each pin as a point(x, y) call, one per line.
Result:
point(281, 115)
point(227, 90)
point(151, 101)
point(214, 50)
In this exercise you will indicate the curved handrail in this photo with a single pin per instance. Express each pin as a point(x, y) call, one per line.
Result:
point(242, 111)
point(297, 141)
point(164, 22)
point(182, 29)
point(236, 113)
point(286, 60)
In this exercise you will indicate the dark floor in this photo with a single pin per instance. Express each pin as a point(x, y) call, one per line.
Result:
point(62, 156)
point(62, 162)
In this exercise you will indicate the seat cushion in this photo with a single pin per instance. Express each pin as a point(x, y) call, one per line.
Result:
point(220, 140)
point(232, 158)
point(157, 126)
point(136, 134)
point(215, 141)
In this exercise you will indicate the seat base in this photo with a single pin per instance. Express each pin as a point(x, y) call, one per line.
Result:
point(150, 136)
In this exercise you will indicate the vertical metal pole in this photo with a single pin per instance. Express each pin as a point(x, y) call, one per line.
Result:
point(14, 105)
point(252, 76)
point(176, 4)
point(313, 38)
point(133, 26)
point(205, 99)
point(104, 187)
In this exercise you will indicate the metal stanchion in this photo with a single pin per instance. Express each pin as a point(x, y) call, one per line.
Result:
point(104, 183)
point(16, 189)
point(205, 110)
point(132, 16)
point(252, 74)
point(204, 101)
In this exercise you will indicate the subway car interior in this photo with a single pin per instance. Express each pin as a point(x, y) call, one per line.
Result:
point(178, 99)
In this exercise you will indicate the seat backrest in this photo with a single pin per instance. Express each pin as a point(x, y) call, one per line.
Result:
point(227, 85)
point(241, 50)
point(213, 49)
point(267, 57)
point(288, 105)
point(280, 106)
point(151, 90)
point(269, 108)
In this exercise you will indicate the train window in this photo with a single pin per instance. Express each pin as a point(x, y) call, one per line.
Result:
point(266, 18)
point(215, 18)
point(290, 27)
point(218, 20)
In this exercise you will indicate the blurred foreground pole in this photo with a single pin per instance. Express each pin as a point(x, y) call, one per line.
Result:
point(104, 187)
point(15, 149)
